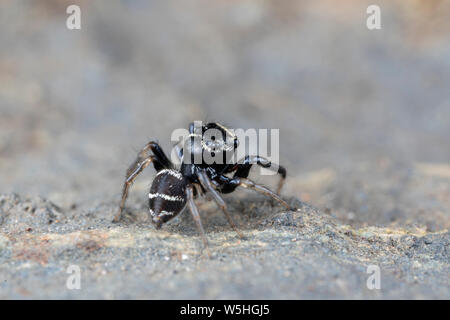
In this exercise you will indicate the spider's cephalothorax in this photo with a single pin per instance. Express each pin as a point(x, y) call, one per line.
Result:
point(173, 189)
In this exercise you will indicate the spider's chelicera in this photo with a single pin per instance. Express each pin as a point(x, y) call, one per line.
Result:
point(174, 188)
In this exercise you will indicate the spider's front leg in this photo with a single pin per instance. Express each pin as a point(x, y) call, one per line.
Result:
point(207, 184)
point(249, 184)
point(265, 163)
point(196, 216)
point(152, 152)
point(243, 170)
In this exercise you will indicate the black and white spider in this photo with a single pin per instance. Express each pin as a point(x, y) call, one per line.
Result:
point(173, 189)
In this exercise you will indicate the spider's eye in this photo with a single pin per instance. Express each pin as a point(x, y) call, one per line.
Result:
point(213, 154)
point(213, 138)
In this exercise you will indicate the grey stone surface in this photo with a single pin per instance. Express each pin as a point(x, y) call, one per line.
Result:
point(291, 255)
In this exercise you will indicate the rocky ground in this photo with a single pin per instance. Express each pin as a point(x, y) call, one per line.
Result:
point(364, 132)
point(306, 253)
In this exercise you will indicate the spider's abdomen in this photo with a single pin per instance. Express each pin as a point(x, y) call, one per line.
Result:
point(167, 196)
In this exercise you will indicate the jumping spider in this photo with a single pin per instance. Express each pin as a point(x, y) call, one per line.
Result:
point(172, 189)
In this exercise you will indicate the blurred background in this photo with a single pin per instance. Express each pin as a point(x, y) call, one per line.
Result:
point(364, 114)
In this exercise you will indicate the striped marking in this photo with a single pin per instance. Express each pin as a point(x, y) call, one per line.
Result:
point(165, 197)
point(174, 173)
point(195, 135)
point(218, 147)
point(226, 130)
point(162, 213)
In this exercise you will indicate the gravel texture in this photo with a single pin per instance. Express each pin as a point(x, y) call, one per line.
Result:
point(298, 254)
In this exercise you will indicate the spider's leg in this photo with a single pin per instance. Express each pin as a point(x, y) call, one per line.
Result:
point(206, 183)
point(196, 216)
point(244, 169)
point(240, 171)
point(143, 159)
point(163, 161)
point(247, 183)
point(132, 172)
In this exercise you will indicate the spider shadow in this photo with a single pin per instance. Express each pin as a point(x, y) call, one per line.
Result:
point(247, 211)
